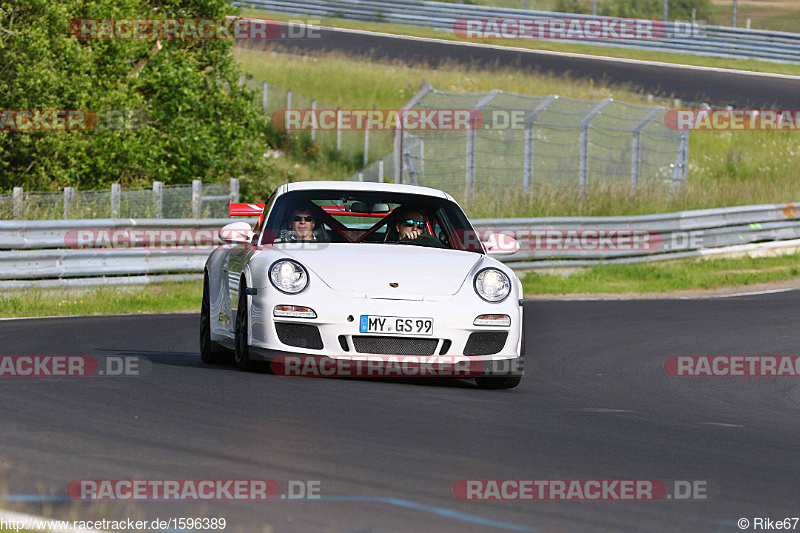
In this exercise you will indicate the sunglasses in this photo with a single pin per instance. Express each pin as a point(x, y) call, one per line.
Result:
point(412, 223)
point(307, 219)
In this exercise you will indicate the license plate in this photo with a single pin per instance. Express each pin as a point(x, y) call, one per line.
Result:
point(396, 325)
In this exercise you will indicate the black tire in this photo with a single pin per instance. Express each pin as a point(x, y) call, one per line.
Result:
point(242, 349)
point(210, 351)
point(508, 381)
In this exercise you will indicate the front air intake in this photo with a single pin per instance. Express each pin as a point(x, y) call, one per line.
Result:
point(299, 335)
point(485, 342)
point(394, 345)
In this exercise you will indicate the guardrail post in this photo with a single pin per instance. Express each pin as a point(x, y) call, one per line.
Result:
point(685, 167)
point(421, 169)
point(583, 168)
point(527, 165)
point(681, 162)
point(234, 190)
point(338, 129)
point(264, 93)
point(288, 108)
point(360, 175)
point(469, 175)
point(380, 171)
point(197, 198)
point(69, 194)
point(636, 150)
point(158, 199)
point(314, 122)
point(18, 199)
point(399, 132)
point(366, 139)
point(411, 172)
point(116, 197)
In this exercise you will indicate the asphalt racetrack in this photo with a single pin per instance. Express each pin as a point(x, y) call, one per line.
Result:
point(692, 84)
point(596, 404)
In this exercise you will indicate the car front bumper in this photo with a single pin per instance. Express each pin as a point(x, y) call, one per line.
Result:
point(337, 324)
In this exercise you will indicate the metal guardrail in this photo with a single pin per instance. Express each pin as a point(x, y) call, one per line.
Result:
point(43, 250)
point(666, 234)
point(31, 234)
point(681, 37)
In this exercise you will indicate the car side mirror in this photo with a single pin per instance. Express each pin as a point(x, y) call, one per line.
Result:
point(236, 233)
point(500, 244)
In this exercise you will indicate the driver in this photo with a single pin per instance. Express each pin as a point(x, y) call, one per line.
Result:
point(303, 225)
point(302, 222)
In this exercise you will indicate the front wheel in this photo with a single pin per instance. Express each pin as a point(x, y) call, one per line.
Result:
point(242, 348)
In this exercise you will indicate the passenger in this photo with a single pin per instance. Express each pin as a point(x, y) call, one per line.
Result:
point(407, 225)
point(410, 225)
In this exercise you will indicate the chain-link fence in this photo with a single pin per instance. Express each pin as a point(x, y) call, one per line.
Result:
point(357, 145)
point(518, 141)
point(198, 200)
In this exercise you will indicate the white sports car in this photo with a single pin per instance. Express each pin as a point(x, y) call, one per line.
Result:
point(349, 269)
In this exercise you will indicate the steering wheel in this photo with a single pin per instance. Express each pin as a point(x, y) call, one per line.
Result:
point(423, 240)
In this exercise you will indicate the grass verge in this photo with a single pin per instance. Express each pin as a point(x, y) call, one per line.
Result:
point(607, 51)
point(104, 300)
point(663, 277)
point(684, 274)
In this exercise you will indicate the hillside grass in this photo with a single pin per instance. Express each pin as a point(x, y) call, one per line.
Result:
point(725, 168)
point(777, 15)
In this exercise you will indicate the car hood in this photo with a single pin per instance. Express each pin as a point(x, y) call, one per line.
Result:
point(369, 269)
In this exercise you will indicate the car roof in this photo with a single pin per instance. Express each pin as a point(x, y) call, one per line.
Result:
point(361, 186)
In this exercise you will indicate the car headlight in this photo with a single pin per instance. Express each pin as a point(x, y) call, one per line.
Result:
point(492, 285)
point(288, 276)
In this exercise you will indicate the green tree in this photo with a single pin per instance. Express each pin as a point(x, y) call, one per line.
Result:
point(200, 123)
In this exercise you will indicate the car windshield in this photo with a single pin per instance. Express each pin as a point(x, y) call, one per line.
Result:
point(356, 217)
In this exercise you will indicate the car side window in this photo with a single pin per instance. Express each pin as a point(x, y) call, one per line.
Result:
point(264, 217)
point(439, 231)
